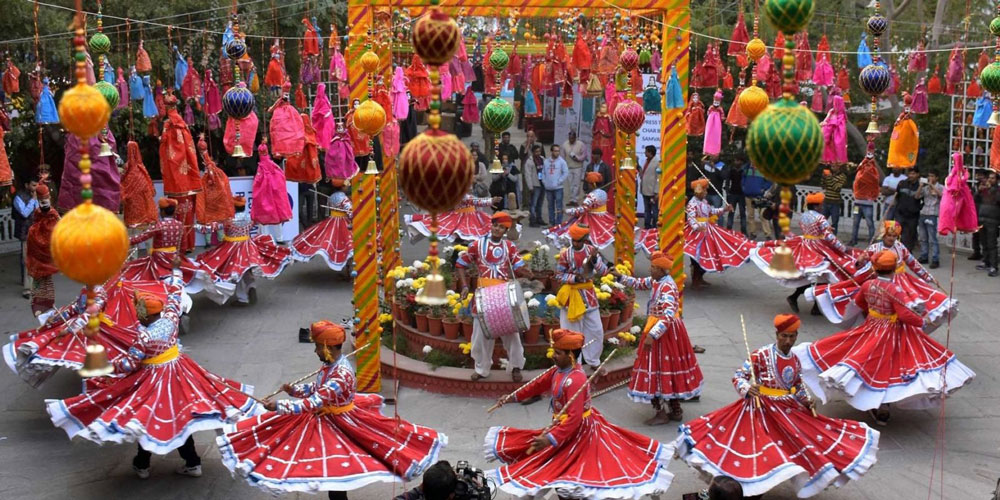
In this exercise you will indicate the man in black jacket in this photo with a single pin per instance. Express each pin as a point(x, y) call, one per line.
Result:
point(989, 218)
point(908, 208)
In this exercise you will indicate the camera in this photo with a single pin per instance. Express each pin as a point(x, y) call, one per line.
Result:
point(472, 484)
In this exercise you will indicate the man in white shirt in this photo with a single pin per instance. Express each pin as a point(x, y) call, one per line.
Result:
point(574, 153)
point(553, 177)
point(889, 191)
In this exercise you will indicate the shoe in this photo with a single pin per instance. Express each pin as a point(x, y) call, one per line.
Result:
point(815, 311)
point(189, 471)
point(26, 294)
point(935, 264)
point(992, 273)
point(793, 303)
point(515, 375)
point(981, 266)
point(881, 417)
point(922, 260)
point(141, 473)
point(698, 349)
point(976, 256)
point(476, 377)
point(252, 295)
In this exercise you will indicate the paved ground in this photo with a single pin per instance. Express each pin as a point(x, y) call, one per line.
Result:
point(258, 346)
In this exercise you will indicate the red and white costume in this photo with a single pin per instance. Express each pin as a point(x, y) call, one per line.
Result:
point(331, 439)
point(580, 317)
point(813, 252)
point(330, 238)
point(647, 240)
point(495, 263)
point(837, 300)
point(162, 398)
point(166, 235)
point(714, 248)
point(668, 369)
point(239, 256)
point(464, 222)
point(593, 213)
point(762, 442)
point(887, 359)
point(589, 457)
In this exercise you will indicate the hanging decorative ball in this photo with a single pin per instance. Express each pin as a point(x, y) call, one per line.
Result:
point(989, 79)
point(89, 244)
point(435, 171)
point(874, 79)
point(236, 48)
point(756, 49)
point(498, 115)
point(877, 24)
point(99, 43)
point(83, 111)
point(995, 26)
point(238, 101)
point(499, 59)
point(789, 16)
point(785, 142)
point(369, 61)
point(628, 116)
point(369, 117)
point(109, 92)
point(753, 101)
point(629, 59)
point(435, 38)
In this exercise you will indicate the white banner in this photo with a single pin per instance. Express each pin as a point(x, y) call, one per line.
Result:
point(243, 186)
point(572, 119)
point(648, 135)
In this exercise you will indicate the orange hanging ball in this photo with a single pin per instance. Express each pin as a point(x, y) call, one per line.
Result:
point(369, 61)
point(369, 117)
point(89, 244)
point(84, 111)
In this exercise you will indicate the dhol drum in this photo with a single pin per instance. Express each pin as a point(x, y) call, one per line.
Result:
point(501, 310)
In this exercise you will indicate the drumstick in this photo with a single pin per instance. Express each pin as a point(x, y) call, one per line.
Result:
point(304, 377)
point(504, 399)
point(753, 378)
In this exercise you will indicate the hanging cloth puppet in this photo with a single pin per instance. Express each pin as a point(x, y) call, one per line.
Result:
point(142, 62)
point(532, 108)
point(470, 108)
point(934, 84)
point(310, 44)
point(920, 97)
point(11, 79)
point(834, 128)
point(604, 134)
point(217, 197)
point(309, 71)
point(137, 192)
point(122, 85)
point(803, 58)
point(149, 109)
point(738, 40)
point(582, 58)
point(178, 159)
point(864, 54)
point(823, 74)
point(270, 196)
point(180, 72)
point(651, 98)
point(192, 86)
point(823, 48)
point(905, 140)
point(275, 76)
point(248, 132)
point(918, 59)
point(359, 140)
point(322, 117)
point(213, 101)
point(974, 91)
point(736, 118)
point(675, 97)
point(339, 160)
point(418, 82)
point(109, 72)
point(447, 90)
point(984, 106)
point(390, 138)
point(401, 103)
point(46, 111)
point(287, 133)
point(304, 167)
point(135, 85)
point(695, 116)
point(958, 210)
point(956, 71)
point(300, 98)
point(106, 180)
point(6, 173)
point(867, 179)
point(713, 127)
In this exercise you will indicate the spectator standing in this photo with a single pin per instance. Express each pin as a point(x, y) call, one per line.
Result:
point(533, 168)
point(597, 164)
point(772, 201)
point(716, 176)
point(834, 179)
point(649, 188)
point(512, 177)
point(907, 208)
point(481, 183)
point(525, 155)
point(754, 188)
point(25, 204)
point(978, 247)
point(574, 153)
point(554, 175)
point(506, 148)
point(889, 185)
point(735, 195)
point(930, 194)
point(989, 218)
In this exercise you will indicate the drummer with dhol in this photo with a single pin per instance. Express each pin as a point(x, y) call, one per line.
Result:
point(498, 262)
point(576, 268)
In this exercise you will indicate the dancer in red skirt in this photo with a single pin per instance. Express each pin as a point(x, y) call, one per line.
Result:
point(163, 396)
point(836, 300)
point(818, 254)
point(711, 248)
point(239, 256)
point(330, 238)
point(166, 235)
point(464, 222)
point(581, 455)
point(771, 435)
point(593, 213)
point(665, 368)
point(888, 358)
point(338, 439)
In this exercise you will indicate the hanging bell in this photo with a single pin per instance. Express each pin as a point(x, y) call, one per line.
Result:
point(496, 167)
point(628, 163)
point(105, 150)
point(372, 168)
point(994, 118)
point(433, 293)
point(783, 264)
point(96, 362)
point(872, 128)
point(238, 152)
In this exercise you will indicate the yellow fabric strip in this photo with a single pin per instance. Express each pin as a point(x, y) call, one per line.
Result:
point(774, 393)
point(165, 249)
point(901, 268)
point(335, 410)
point(599, 210)
point(164, 357)
point(235, 238)
point(466, 210)
point(563, 417)
point(568, 297)
point(811, 237)
point(337, 214)
point(488, 282)
point(877, 315)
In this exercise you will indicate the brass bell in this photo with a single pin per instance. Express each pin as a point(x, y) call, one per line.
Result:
point(783, 264)
point(372, 168)
point(238, 152)
point(433, 293)
point(496, 167)
point(105, 150)
point(994, 118)
point(872, 128)
point(96, 362)
point(628, 163)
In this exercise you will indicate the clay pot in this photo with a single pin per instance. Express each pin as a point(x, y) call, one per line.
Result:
point(627, 314)
point(434, 326)
point(403, 316)
point(451, 328)
point(613, 319)
point(605, 319)
point(534, 333)
point(548, 327)
point(467, 329)
point(421, 322)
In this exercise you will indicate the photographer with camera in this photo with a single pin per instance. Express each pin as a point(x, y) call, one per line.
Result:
point(441, 482)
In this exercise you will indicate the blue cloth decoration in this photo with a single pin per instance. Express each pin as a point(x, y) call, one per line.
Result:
point(109, 72)
point(319, 34)
point(180, 69)
point(651, 99)
point(148, 103)
point(46, 111)
point(135, 90)
point(864, 55)
point(227, 36)
point(984, 107)
point(675, 98)
point(530, 103)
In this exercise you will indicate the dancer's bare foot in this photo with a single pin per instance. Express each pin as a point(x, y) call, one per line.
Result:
point(661, 418)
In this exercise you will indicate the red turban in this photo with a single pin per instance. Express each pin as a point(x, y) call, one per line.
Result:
point(42, 191)
point(578, 231)
point(503, 218)
point(566, 340)
point(786, 323)
point(661, 260)
point(593, 177)
point(167, 202)
point(885, 260)
point(327, 333)
point(815, 198)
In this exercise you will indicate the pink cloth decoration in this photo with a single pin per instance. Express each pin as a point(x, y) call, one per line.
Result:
point(470, 108)
point(191, 86)
point(339, 161)
point(270, 203)
point(213, 99)
point(919, 105)
point(400, 103)
point(322, 117)
point(918, 60)
point(835, 132)
point(248, 132)
point(955, 72)
point(763, 68)
point(105, 179)
point(390, 138)
point(457, 74)
point(122, 87)
point(287, 133)
point(958, 210)
point(713, 131)
point(338, 67)
point(447, 85)
point(817, 101)
point(823, 73)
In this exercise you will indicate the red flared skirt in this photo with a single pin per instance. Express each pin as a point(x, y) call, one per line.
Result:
point(814, 258)
point(601, 224)
point(668, 369)
point(232, 259)
point(466, 224)
point(715, 248)
point(196, 276)
point(330, 238)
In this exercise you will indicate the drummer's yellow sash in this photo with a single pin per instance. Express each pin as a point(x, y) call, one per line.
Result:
point(569, 297)
point(164, 357)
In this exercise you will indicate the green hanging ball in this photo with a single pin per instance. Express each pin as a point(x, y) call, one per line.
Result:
point(109, 92)
point(990, 78)
point(100, 43)
point(499, 59)
point(785, 142)
point(498, 115)
point(995, 26)
point(789, 16)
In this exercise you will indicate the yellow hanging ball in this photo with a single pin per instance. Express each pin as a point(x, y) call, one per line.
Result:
point(89, 244)
point(369, 61)
point(84, 111)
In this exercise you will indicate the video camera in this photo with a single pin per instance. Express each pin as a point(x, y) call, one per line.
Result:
point(472, 483)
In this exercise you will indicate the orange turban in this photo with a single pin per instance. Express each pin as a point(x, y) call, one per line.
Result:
point(885, 260)
point(660, 260)
point(337, 182)
point(891, 227)
point(566, 340)
point(42, 191)
point(578, 231)
point(699, 184)
point(593, 177)
point(502, 218)
point(786, 323)
point(151, 303)
point(239, 201)
point(327, 333)
point(815, 198)
point(167, 202)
